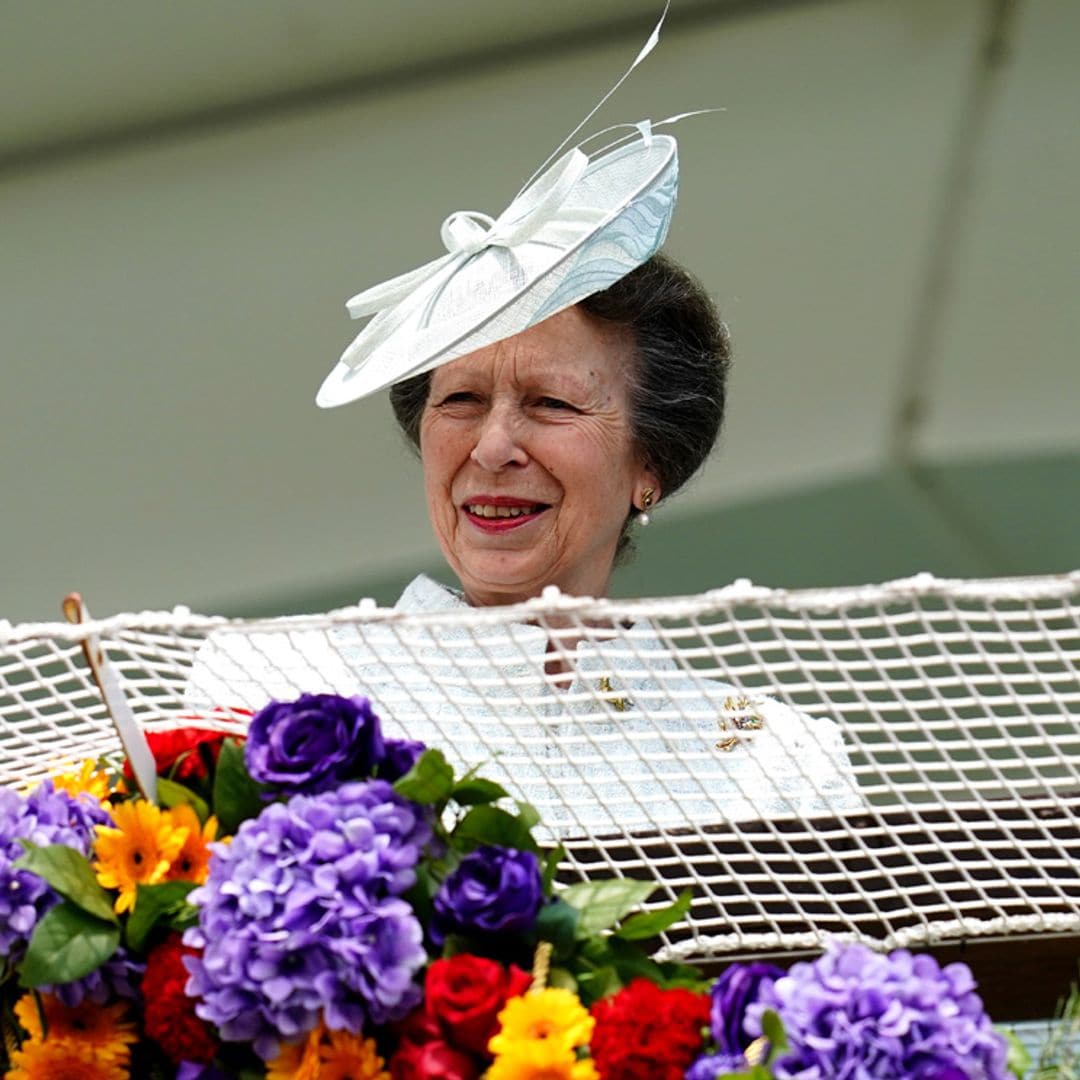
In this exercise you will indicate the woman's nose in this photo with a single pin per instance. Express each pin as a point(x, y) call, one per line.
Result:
point(498, 442)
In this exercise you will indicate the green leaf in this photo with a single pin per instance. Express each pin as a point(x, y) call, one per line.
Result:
point(69, 873)
point(551, 867)
point(603, 903)
point(492, 825)
point(68, 943)
point(561, 979)
point(475, 791)
point(237, 797)
point(772, 1027)
point(154, 904)
point(528, 815)
point(429, 781)
point(557, 922)
point(1019, 1060)
point(629, 961)
point(599, 983)
point(422, 895)
point(647, 924)
point(171, 794)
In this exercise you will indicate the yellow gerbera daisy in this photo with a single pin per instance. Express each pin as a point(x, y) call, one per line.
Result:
point(139, 851)
point(62, 1060)
point(544, 1059)
point(329, 1055)
point(192, 863)
point(553, 1015)
point(87, 778)
point(104, 1031)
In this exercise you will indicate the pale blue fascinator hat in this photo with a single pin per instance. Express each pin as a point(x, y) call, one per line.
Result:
point(586, 218)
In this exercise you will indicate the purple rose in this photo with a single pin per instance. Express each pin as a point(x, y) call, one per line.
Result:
point(401, 755)
point(314, 743)
point(494, 890)
point(739, 986)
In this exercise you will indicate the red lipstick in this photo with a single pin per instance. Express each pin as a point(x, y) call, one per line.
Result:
point(532, 508)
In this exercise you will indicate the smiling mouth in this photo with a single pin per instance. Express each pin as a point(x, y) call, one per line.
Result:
point(500, 516)
point(491, 511)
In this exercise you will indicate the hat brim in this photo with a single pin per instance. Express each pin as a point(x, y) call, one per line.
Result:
point(500, 291)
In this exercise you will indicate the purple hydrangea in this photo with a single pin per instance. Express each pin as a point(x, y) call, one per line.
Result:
point(314, 743)
point(46, 816)
point(854, 1013)
point(302, 918)
point(493, 890)
point(711, 1066)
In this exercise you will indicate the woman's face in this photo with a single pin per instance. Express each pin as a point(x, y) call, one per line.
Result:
point(528, 466)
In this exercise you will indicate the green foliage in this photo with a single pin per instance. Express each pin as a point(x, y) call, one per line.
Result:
point(492, 825)
point(557, 923)
point(772, 1028)
point(67, 944)
point(429, 781)
point(477, 790)
point(237, 797)
point(551, 867)
point(603, 903)
point(170, 794)
point(647, 924)
point(165, 904)
point(1059, 1056)
point(69, 873)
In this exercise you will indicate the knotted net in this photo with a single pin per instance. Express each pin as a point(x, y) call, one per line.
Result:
point(896, 763)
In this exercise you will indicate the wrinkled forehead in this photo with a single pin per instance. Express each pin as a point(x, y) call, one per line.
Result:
point(571, 349)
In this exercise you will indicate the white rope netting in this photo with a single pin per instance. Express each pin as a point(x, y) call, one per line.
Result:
point(895, 763)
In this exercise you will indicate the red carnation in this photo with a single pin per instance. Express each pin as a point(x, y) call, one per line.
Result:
point(169, 1017)
point(466, 993)
point(433, 1060)
point(645, 1033)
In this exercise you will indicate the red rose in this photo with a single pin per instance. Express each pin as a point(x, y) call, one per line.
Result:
point(434, 1060)
point(466, 993)
point(192, 750)
point(169, 1017)
point(645, 1033)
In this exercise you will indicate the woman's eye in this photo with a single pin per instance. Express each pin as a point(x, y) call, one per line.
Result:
point(459, 397)
point(554, 403)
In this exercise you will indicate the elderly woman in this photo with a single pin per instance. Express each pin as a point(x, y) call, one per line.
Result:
point(541, 454)
point(559, 380)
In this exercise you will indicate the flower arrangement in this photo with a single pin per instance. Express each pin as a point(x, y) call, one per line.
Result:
point(319, 900)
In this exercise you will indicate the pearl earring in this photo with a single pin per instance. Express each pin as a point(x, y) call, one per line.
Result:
point(643, 518)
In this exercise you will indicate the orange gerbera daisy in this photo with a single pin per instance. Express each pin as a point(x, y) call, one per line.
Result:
point(329, 1055)
point(192, 862)
point(103, 1030)
point(62, 1061)
point(139, 851)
